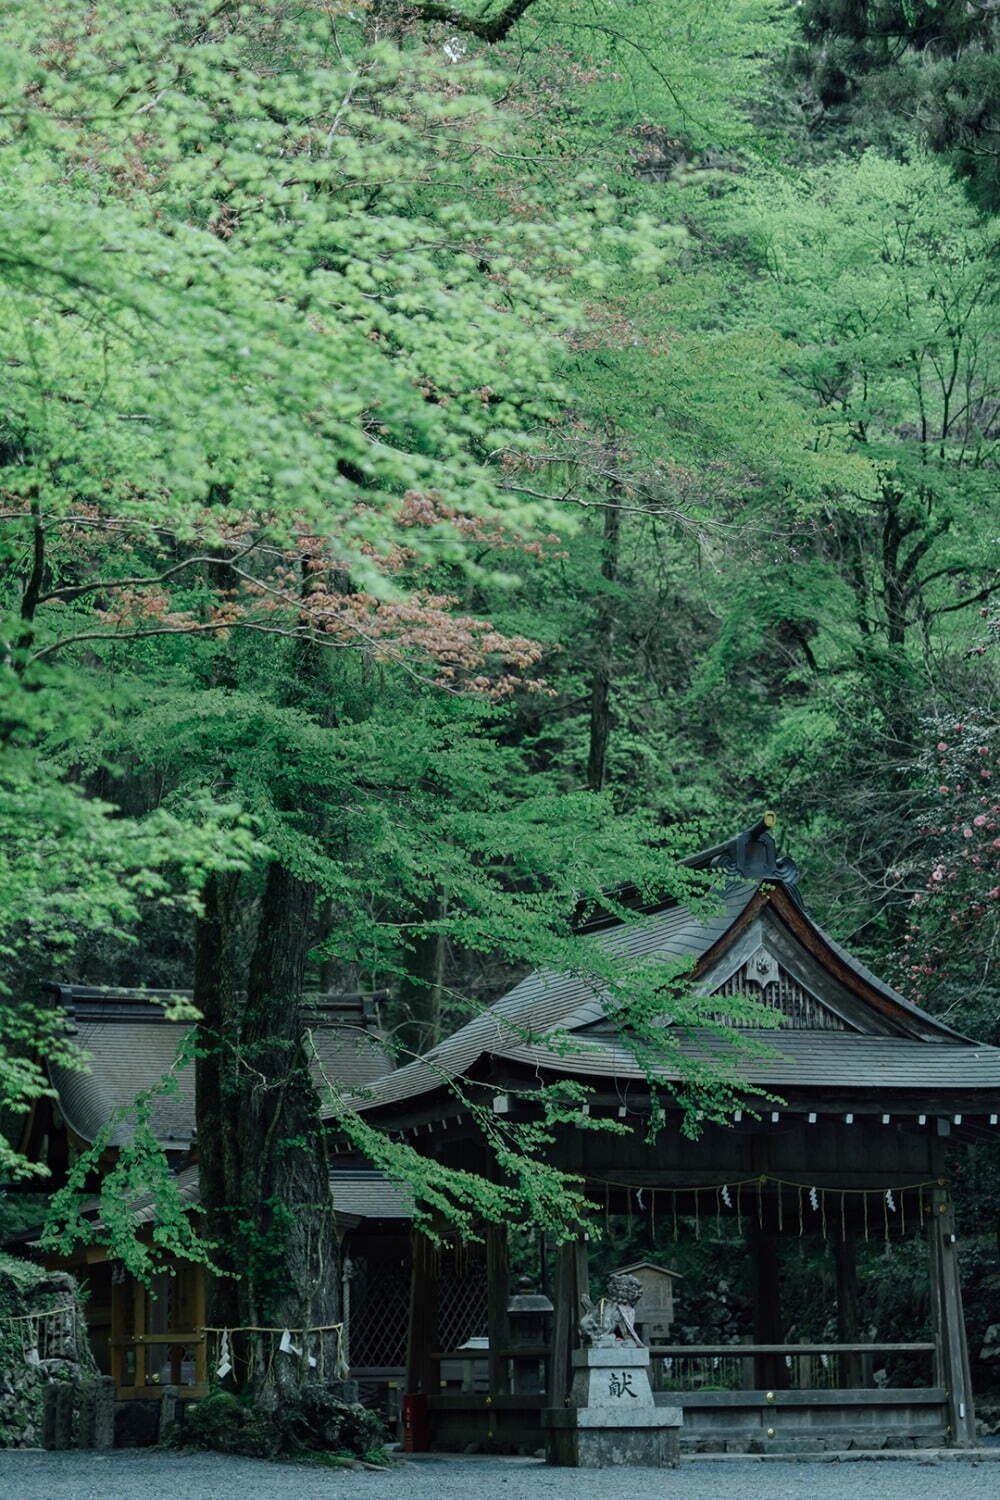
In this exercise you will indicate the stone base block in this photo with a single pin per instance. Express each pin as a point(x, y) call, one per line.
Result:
point(625, 1417)
point(603, 1439)
point(612, 1447)
point(611, 1356)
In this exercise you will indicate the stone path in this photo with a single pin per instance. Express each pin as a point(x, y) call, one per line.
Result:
point(133, 1474)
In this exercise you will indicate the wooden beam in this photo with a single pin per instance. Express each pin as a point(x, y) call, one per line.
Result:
point(201, 1348)
point(422, 1331)
point(748, 1351)
point(952, 1363)
point(873, 1179)
point(572, 1281)
point(139, 1329)
point(562, 1316)
point(852, 1371)
point(889, 1396)
point(768, 1323)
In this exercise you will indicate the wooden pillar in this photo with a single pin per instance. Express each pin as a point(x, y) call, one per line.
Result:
point(952, 1354)
point(572, 1280)
point(768, 1324)
point(200, 1348)
point(139, 1331)
point(497, 1298)
point(116, 1341)
point(422, 1331)
point(848, 1310)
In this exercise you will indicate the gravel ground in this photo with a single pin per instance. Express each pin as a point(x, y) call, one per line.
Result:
point(137, 1474)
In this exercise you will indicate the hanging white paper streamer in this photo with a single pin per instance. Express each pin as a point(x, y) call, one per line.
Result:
point(890, 1200)
point(286, 1346)
point(814, 1198)
point(225, 1356)
point(726, 1198)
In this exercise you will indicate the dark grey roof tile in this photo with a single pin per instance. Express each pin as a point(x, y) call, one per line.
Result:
point(837, 1061)
point(546, 1002)
point(129, 1055)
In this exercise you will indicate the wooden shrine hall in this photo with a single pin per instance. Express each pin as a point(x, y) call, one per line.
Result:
point(854, 1099)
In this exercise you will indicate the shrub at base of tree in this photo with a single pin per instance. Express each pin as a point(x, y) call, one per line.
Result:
point(311, 1424)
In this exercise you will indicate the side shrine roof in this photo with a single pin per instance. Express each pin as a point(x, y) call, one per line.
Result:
point(131, 1046)
point(360, 1196)
point(843, 1032)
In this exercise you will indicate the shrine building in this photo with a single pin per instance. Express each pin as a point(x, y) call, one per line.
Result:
point(855, 1100)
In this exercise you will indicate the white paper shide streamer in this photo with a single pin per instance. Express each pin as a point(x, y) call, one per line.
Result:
point(225, 1355)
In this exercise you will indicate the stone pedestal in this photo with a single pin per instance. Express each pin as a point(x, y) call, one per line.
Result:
point(611, 1419)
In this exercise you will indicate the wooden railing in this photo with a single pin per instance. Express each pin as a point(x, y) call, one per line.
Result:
point(526, 1368)
point(141, 1362)
point(734, 1367)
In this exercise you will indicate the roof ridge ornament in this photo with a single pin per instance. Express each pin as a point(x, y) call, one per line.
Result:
point(752, 855)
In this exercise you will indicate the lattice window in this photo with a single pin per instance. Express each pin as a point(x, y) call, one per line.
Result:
point(461, 1297)
point(762, 979)
point(380, 1300)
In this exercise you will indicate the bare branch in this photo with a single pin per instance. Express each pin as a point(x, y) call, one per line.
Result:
point(489, 29)
point(300, 633)
point(76, 591)
point(986, 593)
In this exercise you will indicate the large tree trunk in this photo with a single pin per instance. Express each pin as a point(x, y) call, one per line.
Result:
point(217, 1122)
point(290, 1245)
point(265, 1175)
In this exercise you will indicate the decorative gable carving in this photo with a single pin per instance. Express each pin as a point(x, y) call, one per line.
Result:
point(762, 978)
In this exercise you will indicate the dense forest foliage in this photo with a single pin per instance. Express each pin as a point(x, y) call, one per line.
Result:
point(455, 460)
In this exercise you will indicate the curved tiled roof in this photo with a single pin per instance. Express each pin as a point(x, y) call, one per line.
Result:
point(557, 1023)
point(550, 1002)
point(131, 1048)
point(357, 1195)
point(125, 1059)
point(841, 1062)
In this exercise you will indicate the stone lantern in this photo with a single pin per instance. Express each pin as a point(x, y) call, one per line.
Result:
point(529, 1314)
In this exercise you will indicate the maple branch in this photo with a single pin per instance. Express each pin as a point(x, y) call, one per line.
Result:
point(951, 571)
point(33, 586)
point(656, 512)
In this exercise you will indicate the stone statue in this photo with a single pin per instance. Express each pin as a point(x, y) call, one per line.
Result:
point(610, 1417)
point(613, 1317)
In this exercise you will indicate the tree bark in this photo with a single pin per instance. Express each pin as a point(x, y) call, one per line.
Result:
point(264, 1168)
point(218, 1138)
point(421, 988)
point(287, 1235)
point(600, 688)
